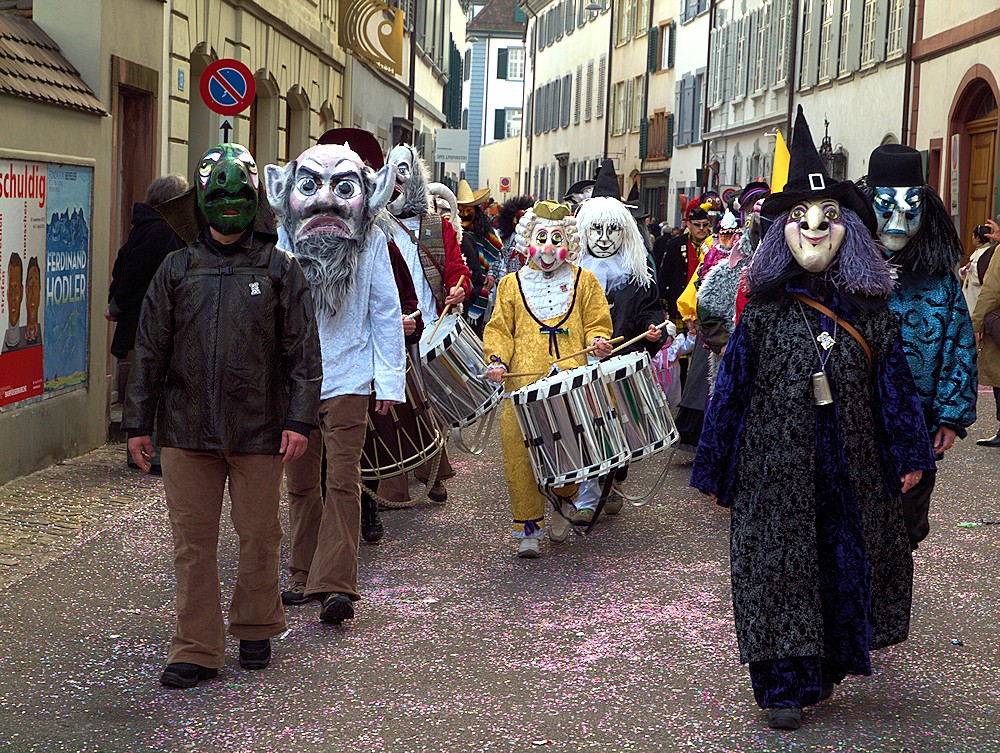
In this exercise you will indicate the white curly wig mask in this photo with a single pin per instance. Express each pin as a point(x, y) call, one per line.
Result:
point(528, 223)
point(594, 219)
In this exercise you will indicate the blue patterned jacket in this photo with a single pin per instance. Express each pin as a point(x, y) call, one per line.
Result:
point(940, 347)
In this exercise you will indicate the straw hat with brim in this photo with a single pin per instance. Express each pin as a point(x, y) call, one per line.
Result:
point(362, 143)
point(467, 197)
point(809, 181)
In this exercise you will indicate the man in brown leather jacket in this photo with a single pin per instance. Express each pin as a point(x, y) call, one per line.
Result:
point(228, 357)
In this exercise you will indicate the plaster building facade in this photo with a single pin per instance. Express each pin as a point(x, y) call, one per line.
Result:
point(494, 73)
point(93, 86)
point(952, 111)
point(569, 51)
point(658, 136)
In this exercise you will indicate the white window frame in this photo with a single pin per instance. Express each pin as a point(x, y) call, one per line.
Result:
point(868, 15)
point(512, 122)
point(642, 18)
point(826, 70)
point(760, 64)
point(807, 40)
point(515, 64)
point(782, 42)
point(845, 33)
point(894, 35)
point(638, 94)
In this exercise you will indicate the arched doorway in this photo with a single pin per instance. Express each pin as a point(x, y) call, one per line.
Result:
point(264, 125)
point(974, 120)
point(203, 124)
point(297, 117)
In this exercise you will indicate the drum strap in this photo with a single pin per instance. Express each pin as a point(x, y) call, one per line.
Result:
point(552, 330)
point(432, 260)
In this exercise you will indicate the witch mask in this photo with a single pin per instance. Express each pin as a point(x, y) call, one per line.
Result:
point(814, 232)
point(899, 211)
point(226, 188)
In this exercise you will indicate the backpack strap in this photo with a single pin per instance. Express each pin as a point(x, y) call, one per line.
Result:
point(849, 328)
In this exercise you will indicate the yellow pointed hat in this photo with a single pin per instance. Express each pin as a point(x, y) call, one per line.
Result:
point(465, 195)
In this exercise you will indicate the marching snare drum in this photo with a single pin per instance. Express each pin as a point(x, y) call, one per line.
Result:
point(403, 439)
point(453, 366)
point(569, 426)
point(640, 404)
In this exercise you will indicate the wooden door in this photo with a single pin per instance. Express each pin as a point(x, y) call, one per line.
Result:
point(981, 181)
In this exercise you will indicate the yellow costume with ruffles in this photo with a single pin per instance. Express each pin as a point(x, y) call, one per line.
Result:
point(536, 320)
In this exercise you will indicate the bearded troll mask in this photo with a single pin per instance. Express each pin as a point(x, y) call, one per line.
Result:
point(327, 201)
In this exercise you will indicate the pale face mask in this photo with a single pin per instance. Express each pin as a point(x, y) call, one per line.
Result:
point(402, 158)
point(547, 248)
point(605, 239)
point(899, 211)
point(814, 232)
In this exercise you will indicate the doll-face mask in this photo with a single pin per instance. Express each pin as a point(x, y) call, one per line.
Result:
point(899, 211)
point(814, 232)
point(547, 247)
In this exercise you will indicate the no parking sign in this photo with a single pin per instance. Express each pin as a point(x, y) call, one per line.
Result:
point(505, 185)
point(228, 87)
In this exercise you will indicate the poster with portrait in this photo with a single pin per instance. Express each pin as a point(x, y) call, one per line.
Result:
point(23, 188)
point(45, 229)
point(67, 278)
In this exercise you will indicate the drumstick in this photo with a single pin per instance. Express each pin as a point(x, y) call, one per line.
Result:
point(637, 338)
point(585, 351)
point(446, 310)
point(505, 375)
point(413, 315)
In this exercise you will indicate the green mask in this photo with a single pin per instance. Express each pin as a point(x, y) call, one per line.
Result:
point(227, 188)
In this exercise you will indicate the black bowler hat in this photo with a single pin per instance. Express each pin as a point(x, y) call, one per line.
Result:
point(895, 165)
point(579, 187)
point(362, 143)
point(808, 181)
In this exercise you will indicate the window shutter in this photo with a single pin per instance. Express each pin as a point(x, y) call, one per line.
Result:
point(744, 58)
point(558, 19)
point(669, 150)
point(671, 52)
point(651, 48)
point(688, 123)
point(579, 95)
point(571, 16)
point(854, 34)
point(556, 104)
point(502, 56)
point(881, 26)
point(643, 138)
point(810, 65)
point(589, 109)
point(679, 108)
point(499, 124)
point(567, 98)
point(601, 69)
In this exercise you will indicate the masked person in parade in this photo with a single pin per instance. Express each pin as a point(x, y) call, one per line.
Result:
point(481, 248)
point(814, 430)
point(549, 309)
point(611, 247)
point(227, 364)
point(434, 258)
point(327, 200)
point(924, 251)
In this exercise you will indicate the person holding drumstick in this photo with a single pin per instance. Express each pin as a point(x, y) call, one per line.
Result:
point(547, 310)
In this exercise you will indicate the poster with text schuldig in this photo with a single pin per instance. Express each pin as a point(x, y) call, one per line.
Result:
point(45, 218)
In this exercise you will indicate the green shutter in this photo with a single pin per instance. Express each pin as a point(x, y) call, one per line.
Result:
point(499, 124)
point(643, 138)
point(502, 63)
point(519, 17)
point(669, 151)
point(673, 44)
point(651, 47)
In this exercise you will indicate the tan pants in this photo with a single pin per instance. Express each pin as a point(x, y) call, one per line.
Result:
point(324, 547)
point(194, 483)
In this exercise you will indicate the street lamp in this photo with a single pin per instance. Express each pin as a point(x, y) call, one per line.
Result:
point(594, 6)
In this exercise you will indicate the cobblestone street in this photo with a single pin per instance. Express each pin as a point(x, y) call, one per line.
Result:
point(619, 642)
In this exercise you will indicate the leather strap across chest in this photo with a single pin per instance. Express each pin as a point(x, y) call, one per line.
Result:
point(849, 328)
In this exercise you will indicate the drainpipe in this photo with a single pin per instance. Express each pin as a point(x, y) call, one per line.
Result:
point(706, 114)
point(534, 103)
point(793, 55)
point(413, 75)
point(524, 121)
point(904, 133)
point(607, 92)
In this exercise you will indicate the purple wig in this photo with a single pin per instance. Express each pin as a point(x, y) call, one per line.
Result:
point(858, 267)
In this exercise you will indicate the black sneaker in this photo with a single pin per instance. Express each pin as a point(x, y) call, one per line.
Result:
point(991, 442)
point(184, 675)
point(790, 719)
point(826, 692)
point(255, 654)
point(296, 594)
point(372, 529)
point(336, 608)
point(438, 494)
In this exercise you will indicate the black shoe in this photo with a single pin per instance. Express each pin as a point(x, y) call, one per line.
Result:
point(184, 675)
point(790, 719)
point(438, 493)
point(991, 442)
point(156, 470)
point(336, 608)
point(255, 654)
point(296, 594)
point(372, 529)
point(827, 689)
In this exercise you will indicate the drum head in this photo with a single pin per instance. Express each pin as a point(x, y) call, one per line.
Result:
point(619, 367)
point(557, 384)
point(443, 335)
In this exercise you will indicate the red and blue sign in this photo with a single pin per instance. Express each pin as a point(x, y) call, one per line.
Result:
point(228, 87)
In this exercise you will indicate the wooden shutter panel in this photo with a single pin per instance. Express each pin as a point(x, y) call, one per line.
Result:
point(579, 95)
point(670, 136)
point(810, 72)
point(502, 56)
point(643, 138)
point(854, 34)
point(881, 28)
point(567, 98)
point(652, 46)
point(499, 124)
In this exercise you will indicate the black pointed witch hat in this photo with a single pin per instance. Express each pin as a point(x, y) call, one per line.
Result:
point(607, 181)
point(808, 180)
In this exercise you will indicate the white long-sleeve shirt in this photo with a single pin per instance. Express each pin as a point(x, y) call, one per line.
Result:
point(364, 339)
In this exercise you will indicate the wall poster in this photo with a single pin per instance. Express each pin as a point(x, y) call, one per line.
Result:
point(45, 230)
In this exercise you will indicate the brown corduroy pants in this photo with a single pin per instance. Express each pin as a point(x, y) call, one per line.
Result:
point(324, 545)
point(194, 483)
